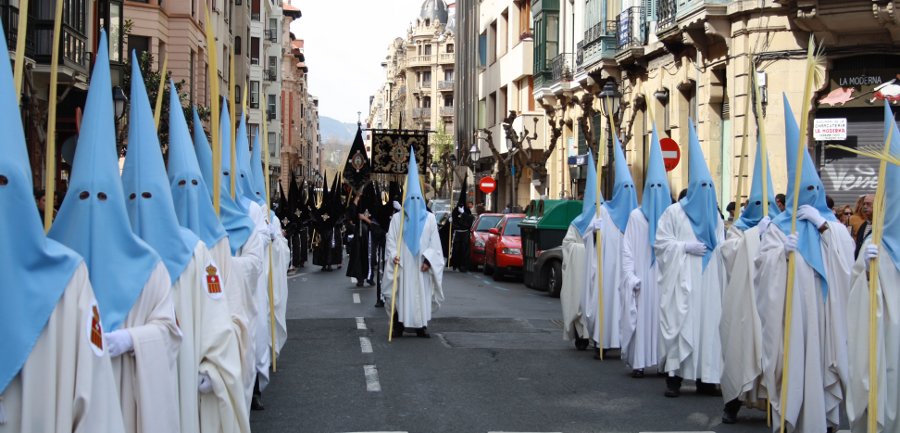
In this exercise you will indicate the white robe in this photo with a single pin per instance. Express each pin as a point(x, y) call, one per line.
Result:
point(690, 300)
point(281, 259)
point(147, 378)
point(740, 327)
point(815, 389)
point(887, 344)
point(640, 313)
point(70, 385)
point(209, 345)
point(571, 294)
point(261, 330)
point(418, 293)
point(612, 280)
point(234, 275)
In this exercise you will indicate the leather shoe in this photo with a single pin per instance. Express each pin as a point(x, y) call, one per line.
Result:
point(256, 403)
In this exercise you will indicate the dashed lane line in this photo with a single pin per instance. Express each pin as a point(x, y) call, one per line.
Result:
point(360, 323)
point(372, 384)
point(365, 344)
point(356, 298)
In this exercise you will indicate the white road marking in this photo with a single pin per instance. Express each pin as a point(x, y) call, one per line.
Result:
point(361, 323)
point(691, 431)
point(372, 384)
point(518, 432)
point(365, 344)
point(356, 298)
point(291, 277)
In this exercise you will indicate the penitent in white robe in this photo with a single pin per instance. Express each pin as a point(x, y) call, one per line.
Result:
point(234, 274)
point(147, 378)
point(640, 313)
point(818, 357)
point(740, 327)
point(262, 337)
point(690, 300)
point(612, 281)
point(67, 384)
point(887, 323)
point(281, 257)
point(571, 294)
point(418, 293)
point(209, 345)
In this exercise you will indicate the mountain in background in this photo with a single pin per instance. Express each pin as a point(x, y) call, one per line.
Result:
point(333, 130)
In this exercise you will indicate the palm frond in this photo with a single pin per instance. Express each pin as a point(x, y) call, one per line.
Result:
point(869, 152)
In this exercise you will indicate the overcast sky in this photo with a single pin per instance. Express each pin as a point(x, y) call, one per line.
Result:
point(345, 43)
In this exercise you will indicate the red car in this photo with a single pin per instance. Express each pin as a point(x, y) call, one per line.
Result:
point(503, 249)
point(478, 236)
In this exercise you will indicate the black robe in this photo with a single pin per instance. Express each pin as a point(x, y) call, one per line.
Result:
point(361, 263)
point(459, 259)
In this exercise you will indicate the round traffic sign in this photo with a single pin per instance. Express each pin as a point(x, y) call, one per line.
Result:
point(487, 184)
point(671, 153)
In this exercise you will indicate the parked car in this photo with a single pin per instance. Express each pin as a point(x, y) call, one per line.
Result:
point(503, 249)
point(549, 271)
point(478, 236)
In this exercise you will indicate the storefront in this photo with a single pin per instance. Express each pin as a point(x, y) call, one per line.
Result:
point(851, 114)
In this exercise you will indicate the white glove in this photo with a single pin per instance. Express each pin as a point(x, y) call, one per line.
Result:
point(119, 342)
point(597, 223)
point(811, 214)
point(790, 245)
point(397, 205)
point(695, 248)
point(205, 384)
point(871, 252)
point(763, 226)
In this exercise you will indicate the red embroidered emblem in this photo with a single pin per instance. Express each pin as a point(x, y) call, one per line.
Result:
point(212, 280)
point(96, 329)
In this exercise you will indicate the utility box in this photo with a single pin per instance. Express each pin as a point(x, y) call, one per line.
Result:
point(544, 227)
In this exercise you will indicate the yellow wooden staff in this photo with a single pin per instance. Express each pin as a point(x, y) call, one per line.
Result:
point(50, 188)
point(213, 78)
point(19, 66)
point(599, 241)
point(742, 172)
point(159, 92)
point(232, 176)
point(397, 265)
point(792, 256)
point(265, 150)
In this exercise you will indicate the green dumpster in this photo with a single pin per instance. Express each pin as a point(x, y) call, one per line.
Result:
point(544, 227)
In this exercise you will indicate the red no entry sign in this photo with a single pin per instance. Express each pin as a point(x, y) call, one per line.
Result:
point(487, 184)
point(670, 152)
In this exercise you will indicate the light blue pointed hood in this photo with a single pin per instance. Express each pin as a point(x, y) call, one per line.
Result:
point(812, 192)
point(413, 207)
point(190, 196)
point(753, 212)
point(890, 239)
point(227, 169)
point(589, 201)
point(233, 218)
point(700, 204)
point(657, 195)
point(35, 270)
point(93, 220)
point(147, 195)
point(624, 196)
point(244, 181)
point(256, 172)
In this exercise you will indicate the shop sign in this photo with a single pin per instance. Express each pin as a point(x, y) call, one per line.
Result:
point(863, 81)
point(830, 129)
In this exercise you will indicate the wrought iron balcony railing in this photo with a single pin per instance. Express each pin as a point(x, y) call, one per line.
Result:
point(272, 35)
point(270, 74)
point(561, 68)
point(445, 85)
point(666, 11)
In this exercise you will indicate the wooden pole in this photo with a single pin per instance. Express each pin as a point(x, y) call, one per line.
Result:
point(234, 169)
point(213, 78)
point(397, 265)
point(792, 259)
point(742, 172)
point(159, 93)
point(18, 69)
point(50, 162)
point(599, 240)
point(265, 150)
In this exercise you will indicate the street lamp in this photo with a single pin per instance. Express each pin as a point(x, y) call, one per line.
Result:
point(610, 98)
point(119, 101)
point(434, 170)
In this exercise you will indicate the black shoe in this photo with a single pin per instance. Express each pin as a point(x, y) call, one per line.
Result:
point(729, 414)
point(637, 373)
point(709, 389)
point(256, 403)
point(370, 282)
point(398, 332)
point(422, 334)
point(379, 304)
point(359, 283)
point(673, 386)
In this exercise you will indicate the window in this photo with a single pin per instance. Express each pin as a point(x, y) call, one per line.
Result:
point(426, 79)
point(273, 144)
point(482, 49)
point(449, 48)
point(502, 30)
point(138, 44)
point(254, 94)
point(448, 74)
point(492, 43)
point(448, 100)
point(427, 49)
point(254, 51)
point(552, 37)
point(501, 103)
point(237, 2)
point(254, 10)
point(115, 31)
point(524, 18)
point(426, 102)
point(271, 106)
point(237, 94)
point(191, 77)
point(492, 109)
point(237, 45)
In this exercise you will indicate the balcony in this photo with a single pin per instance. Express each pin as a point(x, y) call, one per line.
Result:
point(270, 74)
point(447, 58)
point(425, 86)
point(599, 43)
point(422, 113)
point(426, 60)
point(445, 85)
point(73, 54)
point(447, 111)
point(561, 68)
point(666, 11)
point(632, 35)
point(272, 35)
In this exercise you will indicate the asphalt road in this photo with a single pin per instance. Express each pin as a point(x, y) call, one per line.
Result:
point(496, 362)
